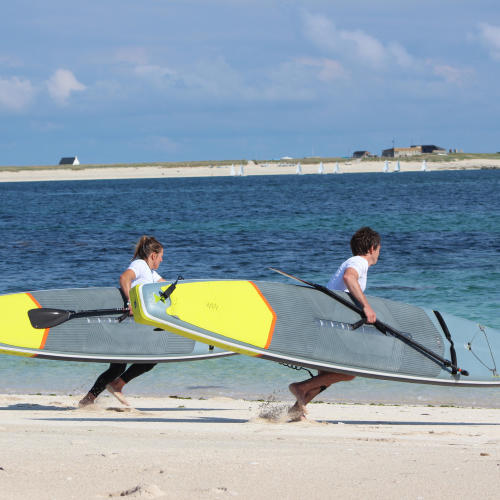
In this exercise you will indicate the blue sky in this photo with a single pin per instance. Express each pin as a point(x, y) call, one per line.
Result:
point(157, 80)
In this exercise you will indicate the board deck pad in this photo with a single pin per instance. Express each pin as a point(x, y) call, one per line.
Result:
point(99, 338)
point(305, 327)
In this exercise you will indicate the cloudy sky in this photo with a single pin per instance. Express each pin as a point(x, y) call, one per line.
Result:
point(164, 80)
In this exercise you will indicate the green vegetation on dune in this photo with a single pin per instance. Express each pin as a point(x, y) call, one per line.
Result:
point(162, 164)
point(216, 163)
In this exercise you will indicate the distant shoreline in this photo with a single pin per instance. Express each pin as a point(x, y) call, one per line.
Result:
point(246, 168)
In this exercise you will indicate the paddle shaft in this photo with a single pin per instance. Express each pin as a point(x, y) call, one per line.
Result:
point(97, 312)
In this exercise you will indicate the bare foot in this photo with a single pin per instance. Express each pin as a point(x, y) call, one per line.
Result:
point(115, 388)
point(300, 405)
point(295, 413)
point(296, 409)
point(86, 400)
point(297, 417)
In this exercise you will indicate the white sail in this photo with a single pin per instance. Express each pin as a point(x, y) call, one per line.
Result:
point(299, 169)
point(386, 166)
point(398, 167)
point(337, 169)
point(321, 169)
point(242, 171)
point(424, 166)
point(233, 172)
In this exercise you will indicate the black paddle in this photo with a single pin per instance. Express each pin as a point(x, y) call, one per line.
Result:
point(379, 325)
point(45, 317)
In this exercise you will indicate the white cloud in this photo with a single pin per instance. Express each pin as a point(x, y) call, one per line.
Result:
point(321, 31)
point(490, 37)
point(451, 74)
point(355, 48)
point(15, 93)
point(354, 45)
point(61, 84)
point(401, 56)
point(326, 70)
point(365, 46)
point(295, 80)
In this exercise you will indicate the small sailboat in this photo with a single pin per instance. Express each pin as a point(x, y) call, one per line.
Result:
point(386, 167)
point(299, 169)
point(321, 169)
point(233, 172)
point(336, 169)
point(424, 166)
point(242, 171)
point(398, 167)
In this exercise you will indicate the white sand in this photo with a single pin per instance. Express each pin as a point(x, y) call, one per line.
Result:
point(144, 172)
point(223, 448)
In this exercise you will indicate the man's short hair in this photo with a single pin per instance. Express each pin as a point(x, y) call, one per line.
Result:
point(364, 239)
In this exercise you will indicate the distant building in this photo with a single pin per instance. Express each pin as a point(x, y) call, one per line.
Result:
point(361, 154)
point(412, 151)
point(430, 148)
point(401, 152)
point(69, 160)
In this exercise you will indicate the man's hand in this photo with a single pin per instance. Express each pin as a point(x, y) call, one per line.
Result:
point(371, 317)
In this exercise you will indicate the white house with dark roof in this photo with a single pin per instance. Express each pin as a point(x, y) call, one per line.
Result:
point(69, 160)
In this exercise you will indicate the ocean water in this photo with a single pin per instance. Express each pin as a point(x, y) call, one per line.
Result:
point(440, 248)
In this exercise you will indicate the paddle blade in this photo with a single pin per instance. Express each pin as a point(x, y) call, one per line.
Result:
point(47, 318)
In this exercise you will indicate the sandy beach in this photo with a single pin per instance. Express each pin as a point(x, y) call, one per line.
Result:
point(224, 448)
point(89, 172)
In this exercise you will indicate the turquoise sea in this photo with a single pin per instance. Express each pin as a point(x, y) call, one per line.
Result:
point(440, 248)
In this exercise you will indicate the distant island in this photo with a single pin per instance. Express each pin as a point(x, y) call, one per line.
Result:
point(242, 167)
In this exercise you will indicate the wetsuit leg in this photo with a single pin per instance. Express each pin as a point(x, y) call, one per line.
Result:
point(114, 371)
point(135, 370)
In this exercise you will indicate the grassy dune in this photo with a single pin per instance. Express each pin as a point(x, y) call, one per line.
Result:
point(208, 163)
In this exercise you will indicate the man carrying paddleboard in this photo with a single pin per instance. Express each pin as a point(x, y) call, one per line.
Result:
point(350, 277)
point(147, 258)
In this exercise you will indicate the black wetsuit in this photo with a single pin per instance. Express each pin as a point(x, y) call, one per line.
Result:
point(116, 370)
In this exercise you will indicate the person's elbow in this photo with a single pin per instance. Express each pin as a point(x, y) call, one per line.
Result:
point(126, 278)
point(350, 278)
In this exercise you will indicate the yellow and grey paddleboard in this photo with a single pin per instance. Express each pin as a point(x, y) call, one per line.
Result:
point(102, 338)
point(303, 326)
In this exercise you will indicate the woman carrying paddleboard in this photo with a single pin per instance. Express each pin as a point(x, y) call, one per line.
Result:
point(350, 277)
point(147, 258)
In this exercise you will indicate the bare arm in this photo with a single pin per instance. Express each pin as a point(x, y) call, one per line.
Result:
point(125, 281)
point(351, 281)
